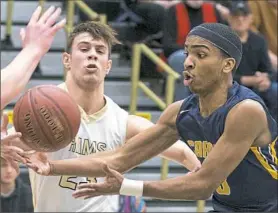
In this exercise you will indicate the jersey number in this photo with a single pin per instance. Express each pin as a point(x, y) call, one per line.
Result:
point(224, 189)
point(67, 182)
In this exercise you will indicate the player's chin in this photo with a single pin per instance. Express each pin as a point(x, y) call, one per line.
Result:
point(194, 86)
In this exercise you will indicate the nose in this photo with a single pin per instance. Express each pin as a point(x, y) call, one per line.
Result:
point(188, 63)
point(92, 55)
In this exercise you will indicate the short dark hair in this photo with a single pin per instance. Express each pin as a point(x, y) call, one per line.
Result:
point(97, 30)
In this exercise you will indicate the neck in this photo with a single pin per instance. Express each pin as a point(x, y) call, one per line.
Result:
point(7, 187)
point(90, 101)
point(211, 101)
point(243, 36)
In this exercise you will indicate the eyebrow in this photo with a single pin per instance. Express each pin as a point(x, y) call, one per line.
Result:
point(88, 43)
point(197, 46)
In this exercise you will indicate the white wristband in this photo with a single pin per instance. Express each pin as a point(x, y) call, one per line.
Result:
point(132, 187)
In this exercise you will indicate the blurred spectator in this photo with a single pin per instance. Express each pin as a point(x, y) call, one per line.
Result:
point(265, 22)
point(151, 13)
point(179, 20)
point(255, 68)
point(16, 196)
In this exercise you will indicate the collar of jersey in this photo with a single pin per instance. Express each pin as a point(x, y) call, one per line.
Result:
point(92, 117)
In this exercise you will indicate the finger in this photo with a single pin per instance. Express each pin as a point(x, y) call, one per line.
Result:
point(52, 19)
point(19, 158)
point(8, 138)
point(5, 122)
point(43, 19)
point(85, 186)
point(28, 154)
point(10, 149)
point(90, 196)
point(57, 27)
point(33, 167)
point(35, 16)
point(83, 192)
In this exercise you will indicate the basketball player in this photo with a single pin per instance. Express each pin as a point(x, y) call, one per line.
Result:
point(104, 125)
point(39, 35)
point(227, 125)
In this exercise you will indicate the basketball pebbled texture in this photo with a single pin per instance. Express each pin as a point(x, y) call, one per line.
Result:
point(47, 117)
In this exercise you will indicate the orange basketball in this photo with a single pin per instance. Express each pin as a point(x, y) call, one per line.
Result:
point(47, 117)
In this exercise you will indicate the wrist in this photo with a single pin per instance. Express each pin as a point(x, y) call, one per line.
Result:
point(34, 51)
point(132, 187)
point(51, 169)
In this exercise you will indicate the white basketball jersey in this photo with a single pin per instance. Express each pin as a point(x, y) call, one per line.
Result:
point(104, 130)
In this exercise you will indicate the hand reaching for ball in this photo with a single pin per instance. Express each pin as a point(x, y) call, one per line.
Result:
point(39, 163)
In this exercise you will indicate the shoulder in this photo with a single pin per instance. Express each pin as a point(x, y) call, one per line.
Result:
point(112, 106)
point(137, 124)
point(257, 38)
point(247, 117)
point(169, 115)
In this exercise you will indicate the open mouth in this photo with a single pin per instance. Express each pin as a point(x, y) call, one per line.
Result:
point(188, 77)
point(91, 66)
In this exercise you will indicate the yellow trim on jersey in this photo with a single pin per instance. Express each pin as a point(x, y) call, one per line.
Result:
point(263, 160)
point(93, 117)
point(273, 151)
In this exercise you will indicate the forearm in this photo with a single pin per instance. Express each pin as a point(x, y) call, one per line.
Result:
point(85, 166)
point(134, 152)
point(248, 80)
point(187, 187)
point(16, 75)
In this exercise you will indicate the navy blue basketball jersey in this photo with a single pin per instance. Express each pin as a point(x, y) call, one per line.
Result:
point(252, 186)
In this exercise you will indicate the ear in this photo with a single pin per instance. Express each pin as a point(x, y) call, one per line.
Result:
point(229, 64)
point(108, 67)
point(66, 60)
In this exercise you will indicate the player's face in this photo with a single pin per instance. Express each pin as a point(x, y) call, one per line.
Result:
point(88, 61)
point(203, 65)
point(240, 22)
point(8, 173)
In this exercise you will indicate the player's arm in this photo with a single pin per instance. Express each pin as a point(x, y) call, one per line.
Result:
point(37, 39)
point(244, 124)
point(178, 152)
point(143, 146)
point(16, 75)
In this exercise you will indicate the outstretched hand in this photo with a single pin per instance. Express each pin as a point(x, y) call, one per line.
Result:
point(110, 186)
point(39, 163)
point(40, 31)
point(8, 151)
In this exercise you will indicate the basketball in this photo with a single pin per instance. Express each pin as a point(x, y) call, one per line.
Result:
point(47, 117)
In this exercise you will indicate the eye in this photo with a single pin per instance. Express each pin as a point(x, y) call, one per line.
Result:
point(83, 49)
point(100, 51)
point(201, 55)
point(185, 53)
